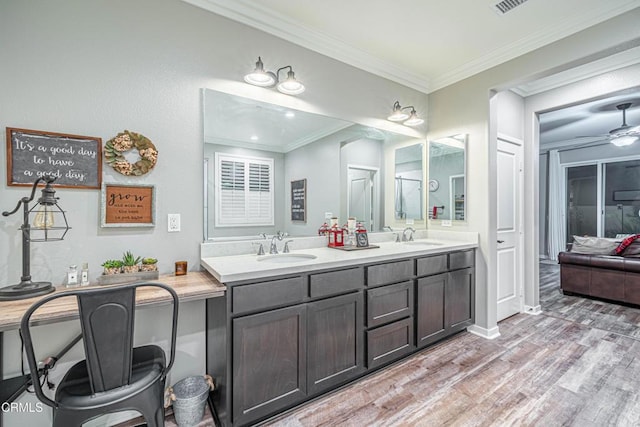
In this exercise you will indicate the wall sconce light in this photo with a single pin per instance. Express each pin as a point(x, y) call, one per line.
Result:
point(262, 78)
point(49, 224)
point(399, 115)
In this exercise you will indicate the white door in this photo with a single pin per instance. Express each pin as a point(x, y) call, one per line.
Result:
point(509, 227)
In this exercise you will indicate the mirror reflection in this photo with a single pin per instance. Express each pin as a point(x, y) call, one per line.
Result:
point(409, 175)
point(447, 183)
point(256, 154)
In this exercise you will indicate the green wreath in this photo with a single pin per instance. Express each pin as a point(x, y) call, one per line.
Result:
point(115, 148)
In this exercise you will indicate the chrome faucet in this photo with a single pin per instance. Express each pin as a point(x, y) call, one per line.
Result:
point(286, 247)
point(273, 248)
point(411, 230)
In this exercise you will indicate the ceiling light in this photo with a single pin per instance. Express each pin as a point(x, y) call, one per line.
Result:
point(624, 140)
point(254, 137)
point(290, 114)
point(399, 115)
point(262, 78)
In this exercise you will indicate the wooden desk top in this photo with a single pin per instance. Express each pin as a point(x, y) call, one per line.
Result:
point(196, 285)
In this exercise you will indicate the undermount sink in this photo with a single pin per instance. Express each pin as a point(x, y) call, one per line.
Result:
point(286, 258)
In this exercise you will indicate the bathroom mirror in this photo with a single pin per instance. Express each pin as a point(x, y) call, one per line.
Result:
point(447, 178)
point(409, 177)
point(336, 167)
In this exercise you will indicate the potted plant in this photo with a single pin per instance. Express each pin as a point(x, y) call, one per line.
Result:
point(149, 264)
point(130, 262)
point(112, 266)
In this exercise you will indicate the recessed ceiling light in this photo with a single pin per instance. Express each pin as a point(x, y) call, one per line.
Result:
point(254, 137)
point(290, 114)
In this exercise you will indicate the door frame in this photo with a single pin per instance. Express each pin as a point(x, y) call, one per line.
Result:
point(375, 192)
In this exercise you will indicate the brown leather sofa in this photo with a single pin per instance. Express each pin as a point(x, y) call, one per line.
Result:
point(615, 278)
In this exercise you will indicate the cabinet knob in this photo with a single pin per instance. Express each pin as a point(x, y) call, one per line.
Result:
point(500, 241)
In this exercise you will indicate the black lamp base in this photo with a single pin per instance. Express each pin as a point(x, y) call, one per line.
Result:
point(25, 290)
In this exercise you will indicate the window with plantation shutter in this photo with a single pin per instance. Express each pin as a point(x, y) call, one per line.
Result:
point(244, 191)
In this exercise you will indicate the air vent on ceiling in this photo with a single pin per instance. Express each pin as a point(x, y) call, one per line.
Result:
point(506, 5)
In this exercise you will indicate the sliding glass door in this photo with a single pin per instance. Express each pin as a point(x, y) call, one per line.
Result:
point(621, 198)
point(582, 201)
point(603, 199)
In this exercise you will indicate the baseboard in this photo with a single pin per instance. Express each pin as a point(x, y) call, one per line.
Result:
point(483, 332)
point(533, 310)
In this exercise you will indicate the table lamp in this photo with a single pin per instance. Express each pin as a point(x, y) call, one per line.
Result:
point(49, 224)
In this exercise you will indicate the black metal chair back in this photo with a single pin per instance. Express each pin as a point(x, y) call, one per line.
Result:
point(107, 318)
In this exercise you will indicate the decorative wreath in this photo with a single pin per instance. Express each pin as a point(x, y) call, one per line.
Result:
point(115, 148)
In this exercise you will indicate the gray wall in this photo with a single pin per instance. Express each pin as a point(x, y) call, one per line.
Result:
point(97, 68)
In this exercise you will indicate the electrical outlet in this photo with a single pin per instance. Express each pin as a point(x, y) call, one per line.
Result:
point(446, 223)
point(409, 221)
point(173, 221)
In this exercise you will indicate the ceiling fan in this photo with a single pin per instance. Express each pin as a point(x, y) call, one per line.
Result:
point(625, 134)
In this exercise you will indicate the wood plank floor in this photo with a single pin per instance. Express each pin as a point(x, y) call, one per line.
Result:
point(577, 364)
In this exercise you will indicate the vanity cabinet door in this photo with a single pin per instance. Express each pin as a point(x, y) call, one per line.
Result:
point(269, 362)
point(460, 299)
point(336, 347)
point(431, 324)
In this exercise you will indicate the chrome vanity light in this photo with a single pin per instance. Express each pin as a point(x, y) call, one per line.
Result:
point(49, 224)
point(399, 115)
point(262, 78)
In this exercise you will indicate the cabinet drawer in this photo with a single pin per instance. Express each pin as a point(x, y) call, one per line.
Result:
point(257, 296)
point(391, 272)
point(388, 303)
point(432, 265)
point(336, 282)
point(462, 259)
point(389, 342)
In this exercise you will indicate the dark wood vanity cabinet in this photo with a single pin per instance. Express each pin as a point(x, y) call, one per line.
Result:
point(269, 362)
point(277, 342)
point(335, 334)
point(445, 302)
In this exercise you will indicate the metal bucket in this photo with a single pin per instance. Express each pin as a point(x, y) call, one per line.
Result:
point(189, 397)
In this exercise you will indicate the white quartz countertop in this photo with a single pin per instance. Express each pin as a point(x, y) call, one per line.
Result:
point(247, 267)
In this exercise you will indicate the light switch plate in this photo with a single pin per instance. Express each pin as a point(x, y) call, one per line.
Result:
point(328, 215)
point(446, 223)
point(409, 221)
point(173, 221)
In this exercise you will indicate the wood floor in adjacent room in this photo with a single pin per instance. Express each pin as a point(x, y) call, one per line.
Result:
point(576, 364)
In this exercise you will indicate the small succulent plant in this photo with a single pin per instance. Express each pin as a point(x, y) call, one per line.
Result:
point(128, 259)
point(148, 261)
point(112, 263)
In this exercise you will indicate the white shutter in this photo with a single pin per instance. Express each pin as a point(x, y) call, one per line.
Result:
point(244, 191)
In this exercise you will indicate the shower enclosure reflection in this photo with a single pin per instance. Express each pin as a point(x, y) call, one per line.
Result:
point(408, 182)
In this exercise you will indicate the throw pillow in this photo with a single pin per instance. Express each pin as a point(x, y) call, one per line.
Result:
point(594, 245)
point(629, 247)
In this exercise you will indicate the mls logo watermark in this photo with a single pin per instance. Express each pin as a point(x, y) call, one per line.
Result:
point(28, 407)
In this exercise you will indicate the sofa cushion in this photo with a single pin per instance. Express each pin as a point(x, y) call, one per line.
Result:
point(594, 245)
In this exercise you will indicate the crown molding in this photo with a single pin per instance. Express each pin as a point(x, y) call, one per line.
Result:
point(541, 38)
point(606, 65)
point(258, 16)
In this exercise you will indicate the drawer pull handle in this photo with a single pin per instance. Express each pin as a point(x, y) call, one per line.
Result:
point(500, 241)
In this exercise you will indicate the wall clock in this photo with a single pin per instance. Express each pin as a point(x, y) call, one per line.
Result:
point(433, 185)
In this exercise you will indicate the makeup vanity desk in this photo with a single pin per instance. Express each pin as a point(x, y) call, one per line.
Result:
point(196, 285)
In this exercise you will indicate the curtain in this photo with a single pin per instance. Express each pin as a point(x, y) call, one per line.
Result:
point(557, 224)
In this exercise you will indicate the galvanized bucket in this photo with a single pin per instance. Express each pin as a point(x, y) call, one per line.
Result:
point(188, 398)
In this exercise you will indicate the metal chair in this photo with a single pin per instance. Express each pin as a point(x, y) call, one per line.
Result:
point(115, 376)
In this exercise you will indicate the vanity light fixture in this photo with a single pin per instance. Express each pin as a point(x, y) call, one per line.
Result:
point(49, 224)
point(399, 115)
point(262, 78)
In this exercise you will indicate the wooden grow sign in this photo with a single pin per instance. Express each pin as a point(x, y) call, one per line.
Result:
point(128, 205)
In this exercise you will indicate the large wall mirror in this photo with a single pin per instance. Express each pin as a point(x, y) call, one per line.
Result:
point(447, 178)
point(269, 168)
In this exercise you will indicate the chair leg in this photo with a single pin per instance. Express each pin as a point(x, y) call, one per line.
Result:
point(150, 405)
point(64, 418)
